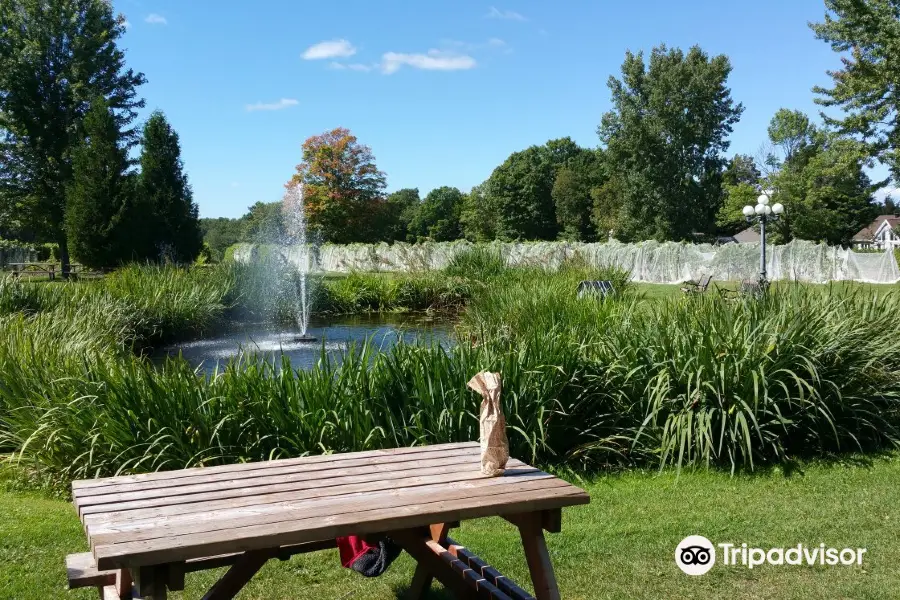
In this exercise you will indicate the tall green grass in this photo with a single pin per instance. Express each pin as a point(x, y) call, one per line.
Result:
point(587, 382)
point(802, 371)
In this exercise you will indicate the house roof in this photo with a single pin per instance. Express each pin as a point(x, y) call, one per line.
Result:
point(868, 233)
point(747, 235)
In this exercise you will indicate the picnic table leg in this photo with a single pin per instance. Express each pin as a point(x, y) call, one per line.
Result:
point(422, 578)
point(238, 575)
point(150, 582)
point(123, 583)
point(531, 528)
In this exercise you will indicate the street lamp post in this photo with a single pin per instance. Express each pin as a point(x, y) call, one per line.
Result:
point(763, 213)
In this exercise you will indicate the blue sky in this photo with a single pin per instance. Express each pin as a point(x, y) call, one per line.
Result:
point(442, 91)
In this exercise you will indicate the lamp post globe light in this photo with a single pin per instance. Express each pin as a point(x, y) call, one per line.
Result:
point(763, 213)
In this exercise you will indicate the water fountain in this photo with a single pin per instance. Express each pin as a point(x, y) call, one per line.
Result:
point(298, 252)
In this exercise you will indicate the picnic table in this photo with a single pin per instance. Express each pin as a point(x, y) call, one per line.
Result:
point(146, 531)
point(49, 269)
point(19, 269)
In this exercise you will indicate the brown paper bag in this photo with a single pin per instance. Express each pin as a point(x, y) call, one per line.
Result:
point(494, 445)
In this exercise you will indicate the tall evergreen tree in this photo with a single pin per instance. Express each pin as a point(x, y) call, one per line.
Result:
point(165, 189)
point(867, 86)
point(56, 56)
point(98, 193)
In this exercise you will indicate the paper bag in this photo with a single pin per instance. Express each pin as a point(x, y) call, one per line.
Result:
point(494, 445)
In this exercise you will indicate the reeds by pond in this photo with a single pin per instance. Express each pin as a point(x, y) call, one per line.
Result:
point(587, 382)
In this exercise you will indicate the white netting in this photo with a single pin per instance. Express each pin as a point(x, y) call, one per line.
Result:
point(650, 262)
point(13, 255)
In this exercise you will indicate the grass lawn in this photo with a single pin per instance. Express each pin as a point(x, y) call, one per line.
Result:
point(621, 546)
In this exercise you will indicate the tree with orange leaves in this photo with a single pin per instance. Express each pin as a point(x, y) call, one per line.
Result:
point(343, 190)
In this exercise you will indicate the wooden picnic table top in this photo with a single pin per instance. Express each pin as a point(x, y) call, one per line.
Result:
point(173, 516)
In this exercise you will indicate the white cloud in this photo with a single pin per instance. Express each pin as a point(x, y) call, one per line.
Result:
point(496, 42)
point(350, 66)
point(509, 15)
point(155, 19)
point(330, 49)
point(235, 184)
point(280, 105)
point(434, 60)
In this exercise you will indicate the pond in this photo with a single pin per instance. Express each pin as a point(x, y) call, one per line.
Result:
point(335, 335)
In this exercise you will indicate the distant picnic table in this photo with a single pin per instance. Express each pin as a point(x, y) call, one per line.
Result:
point(147, 531)
point(51, 270)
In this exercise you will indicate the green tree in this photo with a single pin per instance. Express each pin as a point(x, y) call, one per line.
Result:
point(730, 218)
point(665, 139)
point(220, 233)
point(572, 195)
point(478, 217)
point(741, 169)
point(165, 189)
point(827, 195)
point(263, 223)
point(607, 208)
point(98, 194)
point(867, 34)
point(740, 187)
point(399, 211)
point(342, 187)
point(521, 191)
point(438, 216)
point(56, 57)
point(791, 132)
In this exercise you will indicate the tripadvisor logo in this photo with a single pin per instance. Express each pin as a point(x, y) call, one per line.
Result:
point(696, 555)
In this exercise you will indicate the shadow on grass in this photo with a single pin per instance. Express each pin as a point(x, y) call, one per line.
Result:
point(435, 593)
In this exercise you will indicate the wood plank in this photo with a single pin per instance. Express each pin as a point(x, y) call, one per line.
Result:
point(261, 486)
point(538, 559)
point(550, 520)
point(177, 501)
point(324, 507)
point(124, 584)
point(371, 519)
point(82, 571)
point(379, 456)
point(95, 523)
point(430, 563)
point(109, 592)
point(232, 481)
point(505, 584)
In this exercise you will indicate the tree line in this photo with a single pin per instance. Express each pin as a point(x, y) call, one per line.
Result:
point(661, 169)
point(77, 170)
point(68, 106)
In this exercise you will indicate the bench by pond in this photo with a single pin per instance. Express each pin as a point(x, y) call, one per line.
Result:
point(147, 531)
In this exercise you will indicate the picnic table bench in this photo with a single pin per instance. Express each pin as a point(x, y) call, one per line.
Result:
point(147, 531)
